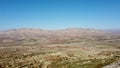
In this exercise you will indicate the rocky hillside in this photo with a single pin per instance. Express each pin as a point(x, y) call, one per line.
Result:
point(67, 48)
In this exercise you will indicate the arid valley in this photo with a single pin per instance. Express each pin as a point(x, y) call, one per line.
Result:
point(66, 48)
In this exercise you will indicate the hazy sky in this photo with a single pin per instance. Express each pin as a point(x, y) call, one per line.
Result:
point(59, 14)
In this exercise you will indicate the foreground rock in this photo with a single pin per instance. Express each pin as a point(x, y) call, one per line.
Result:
point(113, 65)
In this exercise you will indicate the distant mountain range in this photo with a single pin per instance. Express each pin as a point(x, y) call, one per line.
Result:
point(114, 31)
point(39, 36)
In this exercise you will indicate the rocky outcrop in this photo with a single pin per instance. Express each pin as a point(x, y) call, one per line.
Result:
point(113, 65)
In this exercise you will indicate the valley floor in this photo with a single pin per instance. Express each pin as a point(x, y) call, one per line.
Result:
point(68, 55)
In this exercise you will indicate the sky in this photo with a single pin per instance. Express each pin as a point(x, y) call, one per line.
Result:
point(59, 14)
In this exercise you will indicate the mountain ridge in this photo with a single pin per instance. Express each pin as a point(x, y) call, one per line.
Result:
point(26, 35)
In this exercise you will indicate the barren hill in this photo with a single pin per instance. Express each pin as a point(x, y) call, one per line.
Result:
point(39, 36)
